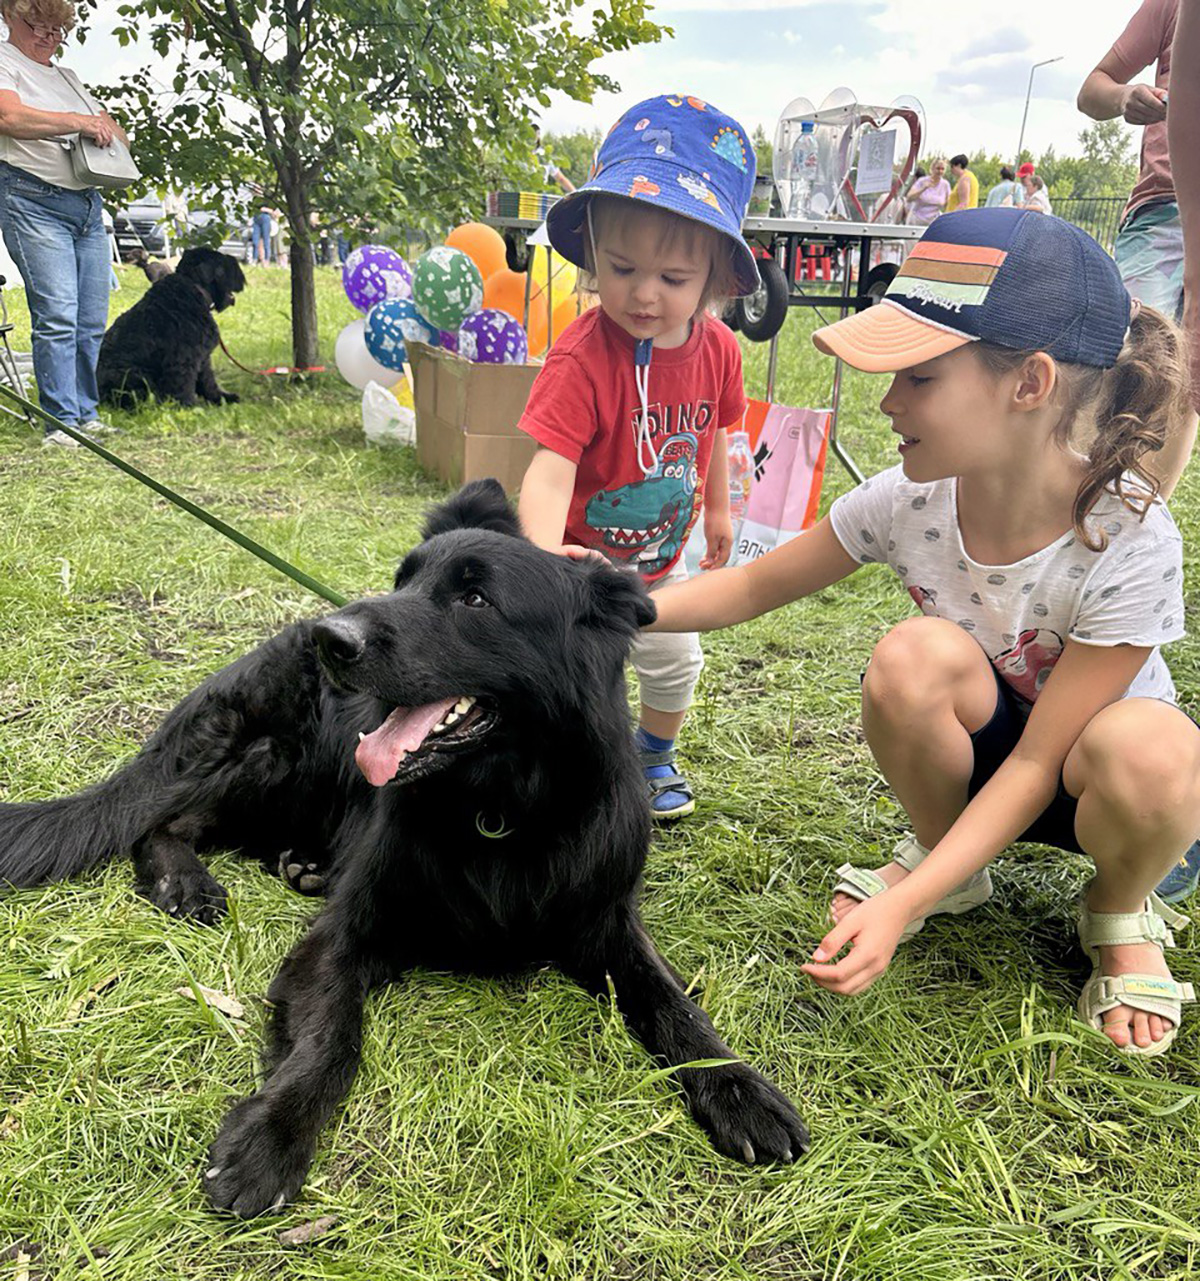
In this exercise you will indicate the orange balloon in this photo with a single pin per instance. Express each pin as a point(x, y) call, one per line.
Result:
point(565, 312)
point(482, 244)
point(506, 290)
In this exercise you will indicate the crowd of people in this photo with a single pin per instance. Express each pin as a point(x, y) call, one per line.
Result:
point(931, 193)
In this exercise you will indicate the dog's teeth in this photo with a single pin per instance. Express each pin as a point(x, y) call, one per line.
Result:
point(463, 705)
point(402, 756)
point(361, 735)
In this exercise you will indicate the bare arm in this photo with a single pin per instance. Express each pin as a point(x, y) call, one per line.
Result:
point(546, 498)
point(1107, 93)
point(1183, 131)
point(20, 121)
point(728, 596)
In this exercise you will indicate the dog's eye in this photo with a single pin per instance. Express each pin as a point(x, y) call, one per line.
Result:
point(474, 599)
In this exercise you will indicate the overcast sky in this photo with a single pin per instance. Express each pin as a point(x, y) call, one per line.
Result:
point(967, 61)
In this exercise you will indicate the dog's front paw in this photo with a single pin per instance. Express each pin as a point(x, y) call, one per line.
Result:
point(745, 1116)
point(254, 1165)
point(231, 398)
point(187, 892)
point(303, 876)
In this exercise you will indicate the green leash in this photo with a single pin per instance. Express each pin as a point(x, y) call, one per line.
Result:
point(214, 522)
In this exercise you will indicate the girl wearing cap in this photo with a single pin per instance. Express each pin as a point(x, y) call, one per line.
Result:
point(1029, 700)
point(632, 404)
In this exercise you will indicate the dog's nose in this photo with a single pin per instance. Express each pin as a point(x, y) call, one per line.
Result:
point(340, 640)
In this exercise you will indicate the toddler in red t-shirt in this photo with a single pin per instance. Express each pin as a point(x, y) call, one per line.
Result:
point(632, 406)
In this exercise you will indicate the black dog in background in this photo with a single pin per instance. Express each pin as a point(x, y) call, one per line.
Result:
point(457, 756)
point(164, 343)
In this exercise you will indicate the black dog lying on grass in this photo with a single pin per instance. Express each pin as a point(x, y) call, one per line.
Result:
point(496, 818)
point(164, 343)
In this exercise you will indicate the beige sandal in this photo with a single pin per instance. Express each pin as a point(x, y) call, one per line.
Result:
point(860, 883)
point(1150, 993)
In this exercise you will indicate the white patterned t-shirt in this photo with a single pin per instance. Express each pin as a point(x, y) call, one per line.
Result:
point(1130, 593)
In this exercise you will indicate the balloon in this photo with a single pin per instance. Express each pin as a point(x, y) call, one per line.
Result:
point(482, 244)
point(354, 361)
point(373, 273)
point(447, 286)
point(564, 274)
point(448, 339)
point(493, 337)
point(564, 314)
point(390, 325)
point(505, 291)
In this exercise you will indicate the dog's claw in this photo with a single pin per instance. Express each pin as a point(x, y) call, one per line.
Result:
point(748, 1151)
point(212, 1171)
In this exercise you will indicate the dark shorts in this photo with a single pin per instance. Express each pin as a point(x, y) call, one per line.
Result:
point(1055, 825)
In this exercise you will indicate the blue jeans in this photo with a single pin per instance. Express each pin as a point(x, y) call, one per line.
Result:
point(260, 234)
point(57, 239)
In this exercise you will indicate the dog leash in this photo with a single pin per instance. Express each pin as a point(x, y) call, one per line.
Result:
point(275, 369)
point(185, 504)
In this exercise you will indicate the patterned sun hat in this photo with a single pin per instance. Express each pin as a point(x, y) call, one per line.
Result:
point(678, 153)
point(1013, 277)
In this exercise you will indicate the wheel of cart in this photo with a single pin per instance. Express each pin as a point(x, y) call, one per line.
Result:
point(760, 315)
point(875, 285)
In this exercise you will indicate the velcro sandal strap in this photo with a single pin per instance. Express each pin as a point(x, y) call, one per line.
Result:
point(669, 783)
point(859, 882)
point(1107, 929)
point(1150, 993)
point(1176, 920)
point(910, 853)
point(657, 758)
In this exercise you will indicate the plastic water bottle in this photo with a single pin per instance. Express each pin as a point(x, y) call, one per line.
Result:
point(741, 473)
point(804, 170)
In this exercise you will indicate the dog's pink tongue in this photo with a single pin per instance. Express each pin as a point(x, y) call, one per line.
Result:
point(378, 754)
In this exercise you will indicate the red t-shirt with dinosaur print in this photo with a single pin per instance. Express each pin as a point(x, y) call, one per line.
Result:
point(584, 405)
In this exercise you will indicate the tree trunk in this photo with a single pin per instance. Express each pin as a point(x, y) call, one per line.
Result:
point(306, 349)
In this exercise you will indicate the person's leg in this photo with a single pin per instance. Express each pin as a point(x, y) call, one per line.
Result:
point(927, 689)
point(668, 664)
point(1149, 255)
point(38, 234)
point(1135, 771)
point(92, 269)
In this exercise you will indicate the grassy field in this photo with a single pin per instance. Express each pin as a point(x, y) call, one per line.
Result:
point(964, 1126)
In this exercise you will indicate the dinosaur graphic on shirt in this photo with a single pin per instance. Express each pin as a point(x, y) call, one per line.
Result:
point(1026, 667)
point(646, 521)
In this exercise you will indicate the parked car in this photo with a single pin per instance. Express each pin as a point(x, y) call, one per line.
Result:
point(141, 226)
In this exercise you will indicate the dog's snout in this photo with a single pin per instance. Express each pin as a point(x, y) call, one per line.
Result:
point(339, 639)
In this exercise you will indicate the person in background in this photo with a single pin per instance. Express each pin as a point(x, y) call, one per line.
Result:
point(52, 223)
point(1004, 193)
point(1036, 195)
point(260, 235)
point(1024, 172)
point(966, 186)
point(1149, 244)
point(928, 195)
point(1183, 133)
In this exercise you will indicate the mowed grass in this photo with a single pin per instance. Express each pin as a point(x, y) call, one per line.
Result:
point(964, 1126)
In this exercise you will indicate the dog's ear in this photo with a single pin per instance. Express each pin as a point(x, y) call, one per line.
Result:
point(479, 505)
point(616, 598)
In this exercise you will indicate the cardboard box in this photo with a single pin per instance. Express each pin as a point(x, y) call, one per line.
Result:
point(467, 417)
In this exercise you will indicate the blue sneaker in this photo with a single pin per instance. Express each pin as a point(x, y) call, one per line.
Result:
point(1181, 881)
point(670, 793)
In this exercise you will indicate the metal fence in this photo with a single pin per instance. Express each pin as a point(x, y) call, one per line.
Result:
point(1099, 216)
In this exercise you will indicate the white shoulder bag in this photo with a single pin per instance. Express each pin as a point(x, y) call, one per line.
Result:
point(111, 167)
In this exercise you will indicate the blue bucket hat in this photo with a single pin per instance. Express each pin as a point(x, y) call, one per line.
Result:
point(1013, 277)
point(680, 154)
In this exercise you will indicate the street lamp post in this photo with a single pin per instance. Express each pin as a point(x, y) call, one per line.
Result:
point(1028, 95)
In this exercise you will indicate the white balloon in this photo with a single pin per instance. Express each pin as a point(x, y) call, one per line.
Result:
point(355, 363)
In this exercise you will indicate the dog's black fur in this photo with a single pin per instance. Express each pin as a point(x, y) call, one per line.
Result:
point(262, 756)
point(164, 343)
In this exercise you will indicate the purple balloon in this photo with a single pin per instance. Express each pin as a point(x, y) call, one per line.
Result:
point(373, 274)
point(493, 337)
point(448, 339)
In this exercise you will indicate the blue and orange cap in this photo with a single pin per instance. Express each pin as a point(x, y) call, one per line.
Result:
point(680, 154)
point(1014, 277)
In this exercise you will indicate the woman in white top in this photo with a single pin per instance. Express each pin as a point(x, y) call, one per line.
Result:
point(51, 222)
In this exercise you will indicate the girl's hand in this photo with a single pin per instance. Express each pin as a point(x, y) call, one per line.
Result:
point(573, 551)
point(718, 534)
point(873, 931)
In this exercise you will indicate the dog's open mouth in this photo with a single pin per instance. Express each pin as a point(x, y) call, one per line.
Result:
point(409, 743)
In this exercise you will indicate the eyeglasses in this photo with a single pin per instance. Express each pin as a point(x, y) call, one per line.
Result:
point(45, 32)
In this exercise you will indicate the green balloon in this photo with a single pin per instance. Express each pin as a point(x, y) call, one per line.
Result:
point(446, 287)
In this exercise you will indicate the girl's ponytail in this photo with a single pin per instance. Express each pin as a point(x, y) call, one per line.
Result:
point(1136, 407)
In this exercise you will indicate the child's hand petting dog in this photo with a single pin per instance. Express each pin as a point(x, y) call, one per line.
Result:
point(872, 930)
